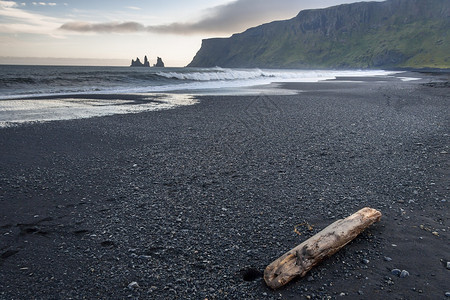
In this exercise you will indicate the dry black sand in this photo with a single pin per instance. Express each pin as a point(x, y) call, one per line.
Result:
point(194, 202)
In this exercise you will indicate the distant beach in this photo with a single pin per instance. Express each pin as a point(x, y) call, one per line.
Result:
point(185, 203)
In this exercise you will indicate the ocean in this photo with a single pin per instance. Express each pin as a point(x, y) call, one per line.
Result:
point(46, 93)
point(32, 81)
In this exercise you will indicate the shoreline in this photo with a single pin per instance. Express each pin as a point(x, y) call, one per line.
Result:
point(186, 202)
point(53, 107)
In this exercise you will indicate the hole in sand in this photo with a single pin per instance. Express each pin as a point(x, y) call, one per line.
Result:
point(108, 244)
point(8, 253)
point(250, 274)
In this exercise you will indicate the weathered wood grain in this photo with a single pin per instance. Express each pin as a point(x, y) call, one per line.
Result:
point(299, 260)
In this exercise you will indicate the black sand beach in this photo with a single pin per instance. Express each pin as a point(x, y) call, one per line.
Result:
point(194, 202)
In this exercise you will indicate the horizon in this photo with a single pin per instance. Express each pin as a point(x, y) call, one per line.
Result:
point(61, 61)
point(84, 33)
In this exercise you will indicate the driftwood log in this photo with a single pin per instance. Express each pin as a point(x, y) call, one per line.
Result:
point(299, 260)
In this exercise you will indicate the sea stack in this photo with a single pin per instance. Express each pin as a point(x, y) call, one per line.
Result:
point(159, 63)
point(146, 63)
point(136, 63)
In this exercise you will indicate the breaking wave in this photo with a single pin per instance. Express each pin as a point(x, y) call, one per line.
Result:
point(30, 81)
point(222, 74)
point(215, 74)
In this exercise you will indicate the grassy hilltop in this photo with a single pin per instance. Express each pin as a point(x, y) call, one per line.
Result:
point(394, 33)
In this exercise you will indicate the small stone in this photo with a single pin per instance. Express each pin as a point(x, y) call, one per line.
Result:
point(386, 258)
point(365, 261)
point(310, 278)
point(133, 285)
point(396, 272)
point(447, 294)
point(342, 294)
point(435, 233)
point(404, 274)
point(360, 292)
point(448, 265)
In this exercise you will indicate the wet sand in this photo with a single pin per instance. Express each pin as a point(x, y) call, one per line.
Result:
point(194, 202)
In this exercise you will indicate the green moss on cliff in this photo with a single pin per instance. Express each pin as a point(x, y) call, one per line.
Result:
point(395, 33)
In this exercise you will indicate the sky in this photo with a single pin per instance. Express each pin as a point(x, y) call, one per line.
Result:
point(112, 32)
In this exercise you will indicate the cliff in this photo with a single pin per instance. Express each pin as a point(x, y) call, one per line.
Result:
point(394, 33)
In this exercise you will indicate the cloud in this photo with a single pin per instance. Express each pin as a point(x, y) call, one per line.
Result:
point(22, 21)
point(134, 7)
point(125, 27)
point(7, 4)
point(44, 3)
point(223, 19)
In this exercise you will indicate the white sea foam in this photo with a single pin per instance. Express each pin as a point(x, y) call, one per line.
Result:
point(37, 82)
point(215, 74)
point(13, 112)
point(218, 79)
point(409, 78)
point(220, 74)
point(175, 83)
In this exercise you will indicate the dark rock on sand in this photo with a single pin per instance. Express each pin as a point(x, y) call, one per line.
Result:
point(133, 285)
point(396, 272)
point(404, 274)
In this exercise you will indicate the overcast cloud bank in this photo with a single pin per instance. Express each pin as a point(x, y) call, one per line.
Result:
point(233, 17)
